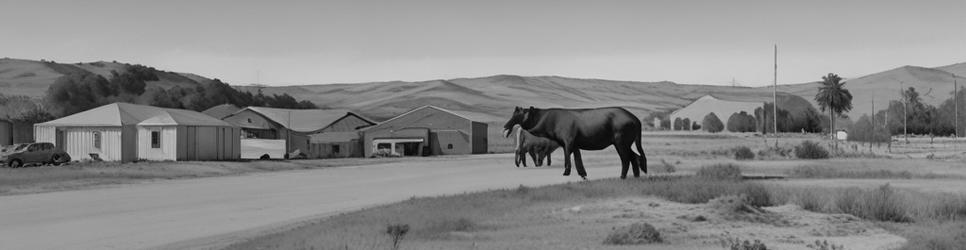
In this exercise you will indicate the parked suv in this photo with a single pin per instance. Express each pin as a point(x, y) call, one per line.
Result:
point(32, 153)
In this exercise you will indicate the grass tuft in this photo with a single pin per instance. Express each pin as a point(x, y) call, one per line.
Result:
point(721, 171)
point(744, 153)
point(635, 234)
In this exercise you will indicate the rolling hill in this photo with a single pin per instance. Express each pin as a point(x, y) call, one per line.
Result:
point(32, 78)
point(934, 85)
point(491, 98)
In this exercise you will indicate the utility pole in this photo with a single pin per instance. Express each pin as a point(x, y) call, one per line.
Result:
point(775, 96)
point(873, 139)
point(955, 107)
point(905, 113)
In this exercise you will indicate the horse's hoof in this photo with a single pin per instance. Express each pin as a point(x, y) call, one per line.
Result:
point(623, 177)
point(584, 177)
point(566, 174)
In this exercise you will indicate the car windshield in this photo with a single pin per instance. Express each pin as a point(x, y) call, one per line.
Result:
point(21, 147)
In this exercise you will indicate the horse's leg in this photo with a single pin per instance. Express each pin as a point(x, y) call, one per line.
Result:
point(533, 156)
point(632, 158)
point(567, 151)
point(516, 158)
point(548, 157)
point(580, 164)
point(624, 160)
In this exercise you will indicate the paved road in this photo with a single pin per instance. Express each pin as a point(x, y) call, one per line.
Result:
point(206, 212)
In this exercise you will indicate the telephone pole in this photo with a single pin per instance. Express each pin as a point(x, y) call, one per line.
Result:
point(905, 112)
point(955, 107)
point(873, 139)
point(775, 96)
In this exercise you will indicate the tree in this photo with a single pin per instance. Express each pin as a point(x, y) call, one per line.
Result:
point(833, 96)
point(711, 123)
point(678, 124)
point(741, 122)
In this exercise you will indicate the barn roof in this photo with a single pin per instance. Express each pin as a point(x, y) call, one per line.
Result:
point(302, 120)
point(120, 114)
point(421, 108)
point(221, 111)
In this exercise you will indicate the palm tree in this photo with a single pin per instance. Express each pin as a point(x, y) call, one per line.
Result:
point(833, 96)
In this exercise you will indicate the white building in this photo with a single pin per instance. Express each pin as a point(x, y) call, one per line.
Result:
point(128, 132)
point(697, 110)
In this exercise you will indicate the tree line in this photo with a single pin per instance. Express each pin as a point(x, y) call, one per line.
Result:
point(79, 91)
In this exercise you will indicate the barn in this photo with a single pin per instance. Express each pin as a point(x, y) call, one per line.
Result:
point(221, 111)
point(427, 130)
point(721, 107)
point(294, 126)
point(15, 132)
point(128, 132)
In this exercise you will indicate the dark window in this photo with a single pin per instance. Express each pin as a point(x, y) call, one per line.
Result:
point(155, 139)
point(97, 139)
point(335, 149)
point(249, 120)
point(450, 146)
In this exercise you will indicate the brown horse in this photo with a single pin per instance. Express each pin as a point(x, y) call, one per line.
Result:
point(589, 129)
point(537, 147)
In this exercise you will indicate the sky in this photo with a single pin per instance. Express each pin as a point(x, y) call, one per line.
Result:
point(321, 42)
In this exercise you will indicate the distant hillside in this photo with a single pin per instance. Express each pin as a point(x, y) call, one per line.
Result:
point(934, 84)
point(32, 78)
point(491, 99)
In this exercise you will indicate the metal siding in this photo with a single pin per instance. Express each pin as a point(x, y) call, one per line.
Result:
point(80, 143)
point(169, 143)
point(45, 134)
point(206, 139)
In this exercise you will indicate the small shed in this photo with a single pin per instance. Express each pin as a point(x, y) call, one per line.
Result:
point(128, 132)
point(427, 130)
point(14, 132)
point(841, 134)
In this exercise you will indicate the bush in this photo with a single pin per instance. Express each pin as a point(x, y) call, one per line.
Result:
point(724, 171)
point(711, 123)
point(744, 153)
point(738, 244)
point(635, 234)
point(742, 122)
point(883, 204)
point(810, 150)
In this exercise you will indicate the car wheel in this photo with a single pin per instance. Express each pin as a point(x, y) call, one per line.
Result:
point(56, 160)
point(16, 163)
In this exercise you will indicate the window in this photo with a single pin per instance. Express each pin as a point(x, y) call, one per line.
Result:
point(155, 139)
point(449, 146)
point(97, 139)
point(335, 149)
point(249, 120)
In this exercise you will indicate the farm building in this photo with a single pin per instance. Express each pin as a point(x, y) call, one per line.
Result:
point(723, 108)
point(221, 111)
point(14, 132)
point(292, 127)
point(427, 130)
point(129, 132)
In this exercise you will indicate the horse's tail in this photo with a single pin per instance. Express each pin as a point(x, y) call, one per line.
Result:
point(642, 160)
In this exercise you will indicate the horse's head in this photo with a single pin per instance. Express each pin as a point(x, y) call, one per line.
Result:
point(520, 117)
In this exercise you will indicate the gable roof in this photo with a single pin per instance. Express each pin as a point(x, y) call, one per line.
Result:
point(120, 114)
point(301, 120)
point(221, 111)
point(418, 109)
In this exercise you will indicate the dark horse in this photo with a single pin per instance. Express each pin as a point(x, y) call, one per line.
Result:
point(589, 129)
point(537, 147)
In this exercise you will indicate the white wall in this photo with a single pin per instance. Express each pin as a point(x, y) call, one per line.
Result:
point(169, 143)
point(79, 142)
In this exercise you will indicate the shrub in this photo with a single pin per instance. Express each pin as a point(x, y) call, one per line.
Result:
point(711, 123)
point(757, 195)
point(635, 234)
point(738, 244)
point(810, 150)
point(741, 122)
point(397, 232)
point(744, 153)
point(723, 171)
point(883, 204)
point(810, 199)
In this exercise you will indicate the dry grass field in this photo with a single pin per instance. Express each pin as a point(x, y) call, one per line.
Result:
point(857, 199)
